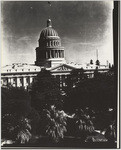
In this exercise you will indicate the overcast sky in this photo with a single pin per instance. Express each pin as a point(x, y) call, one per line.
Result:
point(83, 26)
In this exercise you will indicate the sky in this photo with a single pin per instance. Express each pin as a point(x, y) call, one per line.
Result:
point(83, 26)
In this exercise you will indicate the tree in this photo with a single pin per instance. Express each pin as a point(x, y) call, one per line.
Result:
point(84, 124)
point(96, 73)
point(74, 79)
point(91, 62)
point(15, 101)
point(23, 129)
point(55, 123)
point(97, 62)
point(16, 111)
point(77, 75)
point(45, 91)
point(98, 92)
point(109, 65)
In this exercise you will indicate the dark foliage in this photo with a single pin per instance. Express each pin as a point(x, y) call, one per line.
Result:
point(17, 115)
point(110, 133)
point(91, 100)
point(81, 125)
point(54, 123)
point(97, 62)
point(45, 91)
point(98, 93)
point(103, 118)
point(91, 62)
point(74, 79)
point(15, 101)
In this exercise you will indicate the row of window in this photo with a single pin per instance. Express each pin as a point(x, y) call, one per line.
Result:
point(50, 43)
point(9, 70)
point(55, 54)
point(14, 81)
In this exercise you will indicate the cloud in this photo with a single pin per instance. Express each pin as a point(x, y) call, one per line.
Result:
point(83, 27)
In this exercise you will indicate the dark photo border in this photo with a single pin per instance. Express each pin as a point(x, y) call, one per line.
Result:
point(117, 56)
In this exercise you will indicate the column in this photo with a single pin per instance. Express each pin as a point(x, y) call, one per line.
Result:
point(15, 81)
point(63, 54)
point(21, 81)
point(60, 53)
point(28, 80)
point(50, 54)
point(11, 80)
point(53, 44)
point(50, 43)
point(54, 53)
point(18, 82)
point(24, 82)
point(31, 79)
point(57, 54)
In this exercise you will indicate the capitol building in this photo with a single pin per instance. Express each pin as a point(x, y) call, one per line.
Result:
point(50, 55)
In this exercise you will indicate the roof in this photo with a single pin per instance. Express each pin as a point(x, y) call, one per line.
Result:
point(20, 67)
point(24, 67)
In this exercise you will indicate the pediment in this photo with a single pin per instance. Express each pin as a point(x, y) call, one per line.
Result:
point(62, 68)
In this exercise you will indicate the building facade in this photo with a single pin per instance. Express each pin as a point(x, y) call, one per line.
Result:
point(49, 55)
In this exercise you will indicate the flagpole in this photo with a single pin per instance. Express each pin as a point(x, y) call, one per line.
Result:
point(97, 53)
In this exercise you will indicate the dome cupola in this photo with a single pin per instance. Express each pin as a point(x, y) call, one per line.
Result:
point(48, 32)
point(49, 23)
point(50, 52)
